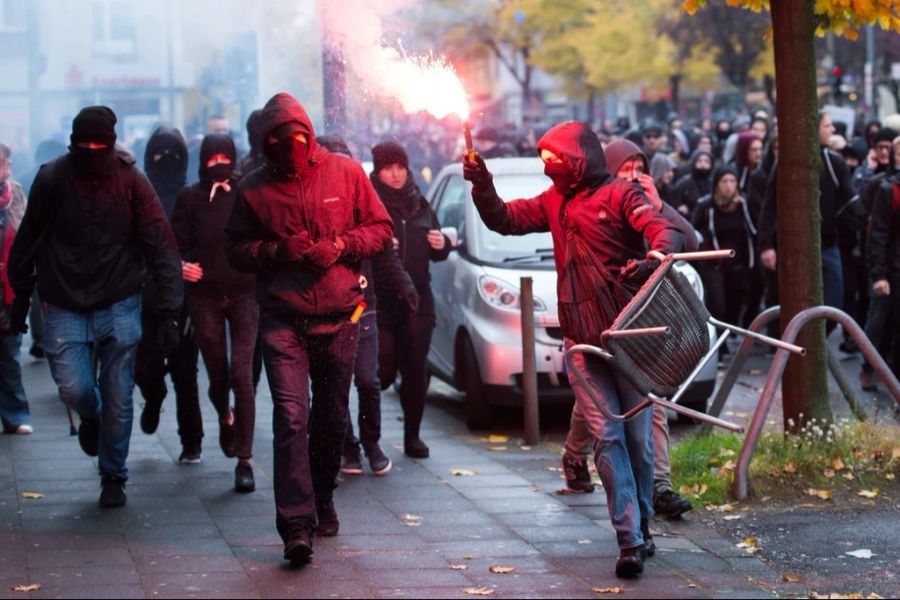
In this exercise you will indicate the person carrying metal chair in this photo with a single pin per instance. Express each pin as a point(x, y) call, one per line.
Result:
point(599, 227)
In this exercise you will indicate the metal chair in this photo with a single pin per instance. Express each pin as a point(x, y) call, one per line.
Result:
point(661, 341)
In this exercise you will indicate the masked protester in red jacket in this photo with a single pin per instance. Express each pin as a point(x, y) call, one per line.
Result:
point(303, 223)
point(610, 220)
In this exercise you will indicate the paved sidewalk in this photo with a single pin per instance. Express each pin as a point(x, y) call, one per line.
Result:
point(184, 533)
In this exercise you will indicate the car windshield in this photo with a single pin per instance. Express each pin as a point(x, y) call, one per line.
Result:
point(496, 248)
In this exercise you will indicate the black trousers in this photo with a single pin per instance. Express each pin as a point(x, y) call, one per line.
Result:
point(403, 348)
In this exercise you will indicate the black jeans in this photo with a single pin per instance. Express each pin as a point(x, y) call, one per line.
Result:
point(210, 315)
point(150, 376)
point(368, 387)
point(307, 441)
point(856, 287)
point(726, 291)
point(404, 348)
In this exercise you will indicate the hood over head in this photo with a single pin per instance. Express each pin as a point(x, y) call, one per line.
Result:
point(282, 110)
point(580, 150)
point(216, 143)
point(170, 170)
point(660, 164)
point(254, 135)
point(621, 150)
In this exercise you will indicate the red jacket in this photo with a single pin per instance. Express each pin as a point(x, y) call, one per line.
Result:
point(8, 294)
point(612, 216)
point(332, 197)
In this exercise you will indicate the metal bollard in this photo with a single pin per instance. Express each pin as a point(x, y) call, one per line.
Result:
point(529, 364)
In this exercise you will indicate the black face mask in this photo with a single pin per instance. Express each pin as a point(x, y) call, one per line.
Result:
point(563, 178)
point(703, 173)
point(93, 163)
point(219, 172)
point(289, 154)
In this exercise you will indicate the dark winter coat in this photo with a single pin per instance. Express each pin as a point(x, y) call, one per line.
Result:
point(835, 190)
point(169, 175)
point(93, 240)
point(413, 219)
point(330, 198)
point(883, 246)
point(693, 186)
point(613, 217)
point(705, 219)
point(199, 225)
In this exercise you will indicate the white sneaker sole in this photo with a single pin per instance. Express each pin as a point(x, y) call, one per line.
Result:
point(385, 470)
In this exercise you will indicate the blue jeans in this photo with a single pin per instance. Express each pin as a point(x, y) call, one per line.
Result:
point(368, 386)
point(623, 452)
point(13, 404)
point(307, 441)
point(70, 340)
point(833, 277)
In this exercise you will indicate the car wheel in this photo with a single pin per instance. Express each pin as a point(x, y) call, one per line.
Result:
point(478, 411)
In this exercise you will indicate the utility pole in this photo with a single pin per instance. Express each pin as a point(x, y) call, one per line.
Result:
point(36, 68)
point(870, 73)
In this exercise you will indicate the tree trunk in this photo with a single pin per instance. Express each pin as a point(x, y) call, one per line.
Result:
point(805, 386)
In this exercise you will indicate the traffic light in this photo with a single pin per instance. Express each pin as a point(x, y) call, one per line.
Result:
point(837, 80)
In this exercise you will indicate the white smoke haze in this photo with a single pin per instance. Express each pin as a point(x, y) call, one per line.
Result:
point(419, 83)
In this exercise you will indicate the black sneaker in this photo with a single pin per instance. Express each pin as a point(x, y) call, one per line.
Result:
point(631, 562)
point(89, 436)
point(867, 381)
point(413, 447)
point(190, 455)
point(670, 505)
point(228, 435)
point(328, 520)
point(578, 477)
point(649, 544)
point(37, 351)
point(243, 478)
point(112, 493)
point(351, 461)
point(298, 547)
point(150, 416)
point(378, 462)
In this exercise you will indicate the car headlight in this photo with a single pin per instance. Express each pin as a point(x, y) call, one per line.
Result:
point(503, 295)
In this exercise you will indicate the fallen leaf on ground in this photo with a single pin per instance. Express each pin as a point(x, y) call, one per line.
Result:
point(791, 578)
point(400, 418)
point(609, 590)
point(720, 508)
point(480, 591)
point(526, 448)
point(889, 476)
point(713, 461)
point(750, 544)
point(501, 570)
point(829, 473)
point(732, 517)
point(464, 473)
point(32, 495)
point(459, 567)
point(585, 542)
point(468, 557)
point(410, 519)
point(895, 453)
point(27, 588)
point(497, 448)
point(870, 494)
point(861, 553)
point(496, 439)
point(848, 476)
point(555, 469)
point(823, 494)
point(695, 490)
point(756, 371)
point(790, 469)
point(563, 492)
point(837, 464)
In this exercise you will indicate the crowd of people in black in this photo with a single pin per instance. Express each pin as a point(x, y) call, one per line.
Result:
point(280, 257)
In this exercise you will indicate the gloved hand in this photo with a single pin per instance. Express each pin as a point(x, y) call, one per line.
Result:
point(168, 335)
point(323, 253)
point(475, 170)
point(292, 248)
point(18, 313)
point(638, 271)
point(410, 298)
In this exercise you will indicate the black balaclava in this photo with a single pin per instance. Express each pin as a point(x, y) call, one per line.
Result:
point(94, 124)
point(216, 143)
point(166, 161)
point(287, 153)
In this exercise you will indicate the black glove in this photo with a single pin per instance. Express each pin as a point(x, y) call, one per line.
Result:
point(168, 335)
point(323, 254)
point(18, 313)
point(475, 170)
point(292, 248)
point(636, 272)
point(410, 299)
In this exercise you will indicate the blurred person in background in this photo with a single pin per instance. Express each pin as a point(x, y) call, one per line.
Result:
point(696, 184)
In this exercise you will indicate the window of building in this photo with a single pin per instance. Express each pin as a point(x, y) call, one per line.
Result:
point(114, 32)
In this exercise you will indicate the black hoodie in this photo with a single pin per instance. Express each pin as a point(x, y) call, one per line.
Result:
point(694, 185)
point(199, 225)
point(329, 197)
point(168, 175)
point(883, 247)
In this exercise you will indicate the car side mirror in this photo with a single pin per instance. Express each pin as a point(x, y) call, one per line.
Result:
point(452, 235)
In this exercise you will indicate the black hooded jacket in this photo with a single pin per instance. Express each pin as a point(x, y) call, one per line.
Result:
point(330, 197)
point(613, 217)
point(413, 219)
point(93, 239)
point(693, 186)
point(883, 244)
point(199, 225)
point(168, 175)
